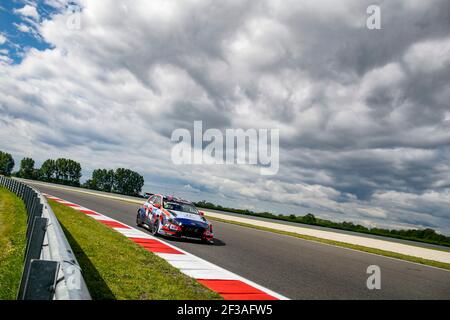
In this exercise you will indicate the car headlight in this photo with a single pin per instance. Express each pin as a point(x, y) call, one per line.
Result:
point(174, 227)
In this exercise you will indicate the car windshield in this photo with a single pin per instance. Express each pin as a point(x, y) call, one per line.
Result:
point(184, 207)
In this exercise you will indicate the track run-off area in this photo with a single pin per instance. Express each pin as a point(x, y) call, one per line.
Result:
point(290, 266)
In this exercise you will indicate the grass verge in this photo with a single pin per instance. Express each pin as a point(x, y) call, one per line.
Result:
point(13, 225)
point(342, 244)
point(114, 267)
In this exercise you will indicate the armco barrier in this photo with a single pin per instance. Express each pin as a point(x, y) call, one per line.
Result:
point(51, 271)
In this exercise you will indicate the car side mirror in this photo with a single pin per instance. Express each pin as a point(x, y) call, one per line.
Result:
point(157, 205)
point(201, 213)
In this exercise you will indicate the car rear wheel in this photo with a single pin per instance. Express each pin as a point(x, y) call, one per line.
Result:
point(155, 227)
point(138, 221)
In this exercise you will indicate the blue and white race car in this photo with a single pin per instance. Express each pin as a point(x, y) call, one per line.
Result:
point(174, 217)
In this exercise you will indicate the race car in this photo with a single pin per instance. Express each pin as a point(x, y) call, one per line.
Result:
point(174, 217)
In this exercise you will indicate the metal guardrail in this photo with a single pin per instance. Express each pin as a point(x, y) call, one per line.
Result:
point(51, 271)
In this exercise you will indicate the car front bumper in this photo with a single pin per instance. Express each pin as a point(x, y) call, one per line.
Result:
point(190, 233)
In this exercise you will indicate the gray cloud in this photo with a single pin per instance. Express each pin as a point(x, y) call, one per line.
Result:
point(363, 115)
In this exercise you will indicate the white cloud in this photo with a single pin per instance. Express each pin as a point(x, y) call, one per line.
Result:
point(58, 4)
point(29, 11)
point(5, 59)
point(2, 38)
point(22, 27)
point(429, 55)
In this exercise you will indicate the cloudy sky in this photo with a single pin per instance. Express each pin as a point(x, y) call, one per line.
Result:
point(364, 115)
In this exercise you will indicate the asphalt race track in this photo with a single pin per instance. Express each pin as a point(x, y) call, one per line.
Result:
point(293, 267)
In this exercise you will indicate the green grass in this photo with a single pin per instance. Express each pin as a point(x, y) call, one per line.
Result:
point(342, 244)
point(13, 225)
point(114, 267)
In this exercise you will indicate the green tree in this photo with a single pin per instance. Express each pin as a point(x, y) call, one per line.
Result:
point(102, 179)
point(128, 182)
point(26, 168)
point(47, 172)
point(61, 170)
point(67, 171)
point(309, 218)
point(6, 163)
point(36, 174)
point(73, 172)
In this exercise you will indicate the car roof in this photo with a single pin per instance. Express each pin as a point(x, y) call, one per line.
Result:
point(171, 198)
point(175, 199)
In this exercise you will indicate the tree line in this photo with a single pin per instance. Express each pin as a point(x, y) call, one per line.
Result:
point(121, 180)
point(421, 235)
point(68, 172)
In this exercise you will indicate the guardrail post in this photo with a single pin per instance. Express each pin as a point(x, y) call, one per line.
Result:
point(33, 249)
point(21, 190)
point(27, 198)
point(18, 188)
point(41, 281)
point(32, 202)
point(35, 213)
point(30, 205)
